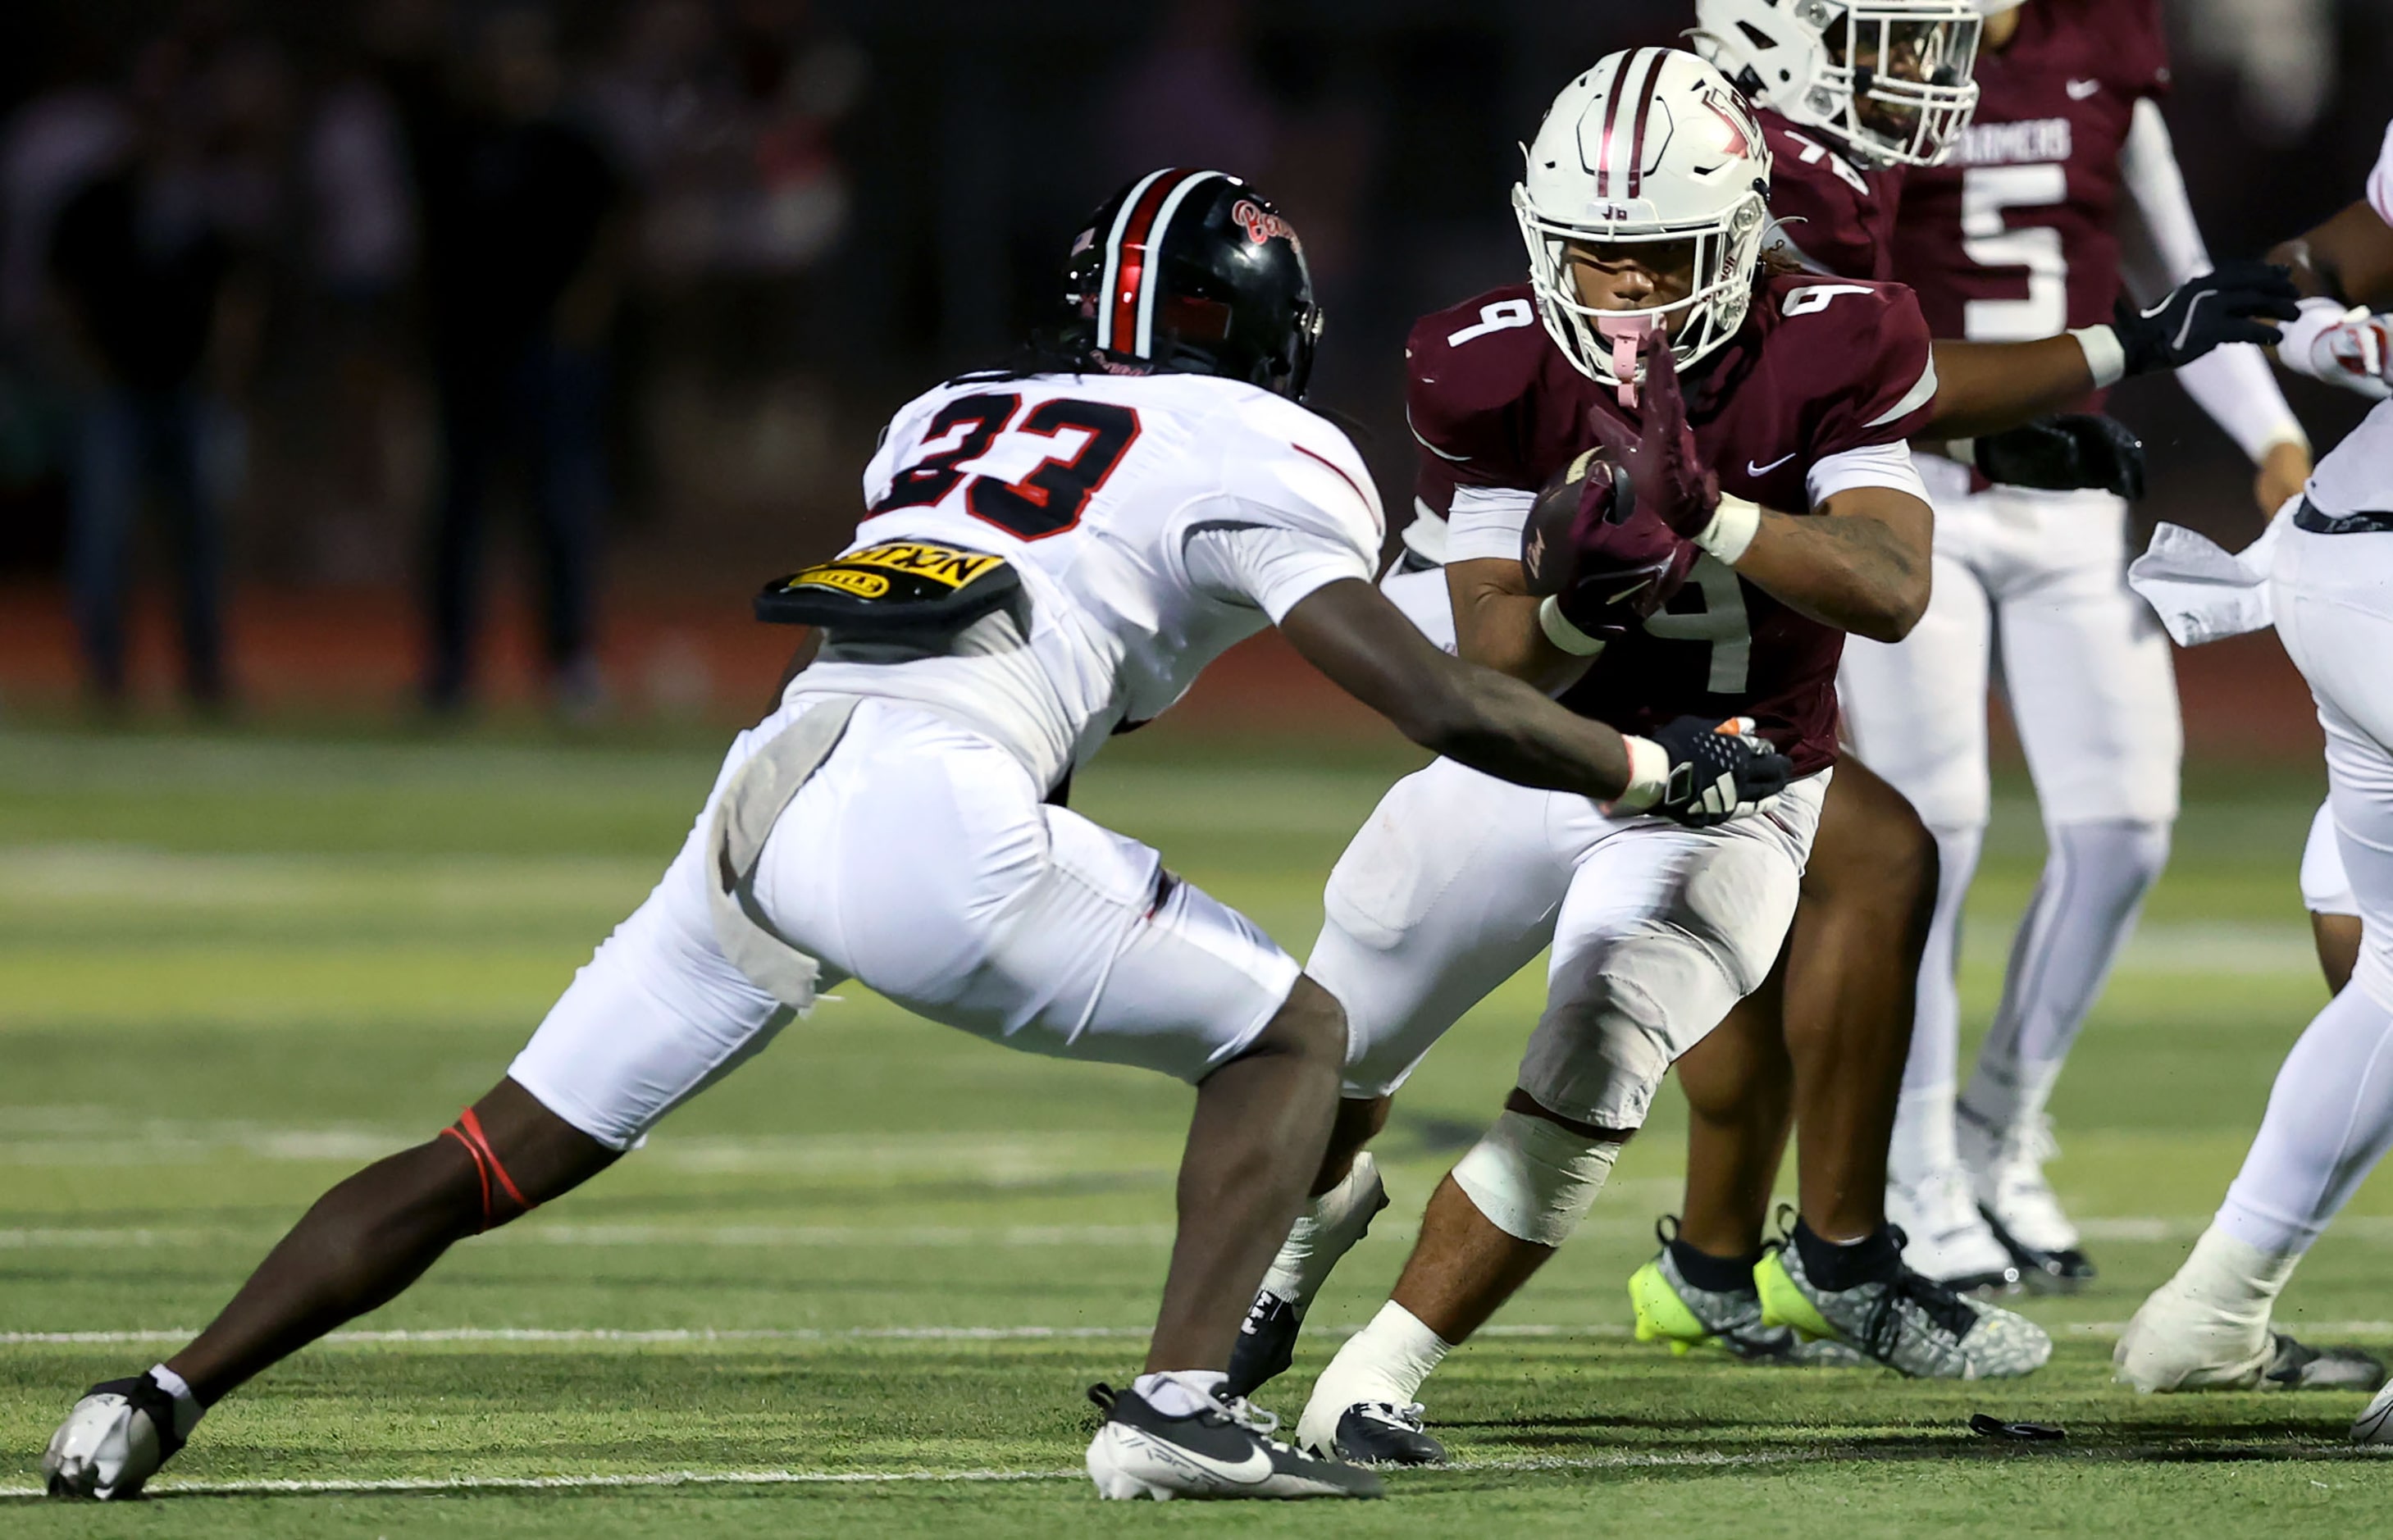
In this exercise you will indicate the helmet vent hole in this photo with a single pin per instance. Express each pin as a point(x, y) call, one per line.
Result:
point(1756, 36)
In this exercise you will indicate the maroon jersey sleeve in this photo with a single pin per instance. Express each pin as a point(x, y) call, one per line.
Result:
point(2013, 239)
point(1470, 394)
point(1837, 218)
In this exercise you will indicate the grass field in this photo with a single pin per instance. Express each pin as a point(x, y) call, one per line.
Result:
point(861, 1285)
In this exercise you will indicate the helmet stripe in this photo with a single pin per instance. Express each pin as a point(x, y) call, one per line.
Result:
point(1109, 292)
point(1660, 61)
point(1126, 319)
point(1146, 291)
point(1611, 116)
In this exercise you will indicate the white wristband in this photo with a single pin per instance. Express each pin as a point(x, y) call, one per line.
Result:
point(1649, 775)
point(1734, 525)
point(1561, 634)
point(2103, 355)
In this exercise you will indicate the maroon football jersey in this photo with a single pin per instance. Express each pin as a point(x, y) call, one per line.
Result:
point(2012, 239)
point(1838, 217)
point(1820, 367)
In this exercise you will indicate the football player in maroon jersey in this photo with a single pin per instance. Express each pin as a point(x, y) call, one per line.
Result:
point(1643, 211)
point(1851, 101)
point(2062, 191)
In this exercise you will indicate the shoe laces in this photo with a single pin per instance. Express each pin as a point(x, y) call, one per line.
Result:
point(1408, 1416)
point(1939, 1304)
point(1253, 1419)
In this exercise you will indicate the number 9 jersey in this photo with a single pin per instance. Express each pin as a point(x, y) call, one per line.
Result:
point(1817, 392)
point(1155, 521)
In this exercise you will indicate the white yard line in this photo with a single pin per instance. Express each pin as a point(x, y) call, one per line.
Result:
point(406, 1485)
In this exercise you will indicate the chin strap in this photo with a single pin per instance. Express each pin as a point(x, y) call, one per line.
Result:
point(468, 1130)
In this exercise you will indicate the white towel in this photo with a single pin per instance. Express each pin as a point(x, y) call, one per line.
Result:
point(2200, 591)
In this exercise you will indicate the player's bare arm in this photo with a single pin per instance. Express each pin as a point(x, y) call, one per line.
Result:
point(1495, 624)
point(2349, 258)
point(2341, 334)
point(1476, 715)
point(1860, 562)
point(1988, 387)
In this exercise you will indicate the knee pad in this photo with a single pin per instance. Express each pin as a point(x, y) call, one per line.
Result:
point(1535, 1180)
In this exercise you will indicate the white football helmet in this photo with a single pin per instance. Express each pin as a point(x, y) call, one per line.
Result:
point(1651, 147)
point(1888, 79)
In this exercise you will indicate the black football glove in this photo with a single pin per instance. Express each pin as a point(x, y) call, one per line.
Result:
point(2205, 312)
point(2065, 454)
point(1718, 771)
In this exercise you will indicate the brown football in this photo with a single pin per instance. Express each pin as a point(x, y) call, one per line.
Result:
point(1548, 554)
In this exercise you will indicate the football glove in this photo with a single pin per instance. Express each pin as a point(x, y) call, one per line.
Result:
point(2206, 312)
point(1665, 468)
point(2064, 453)
point(2352, 348)
point(1706, 772)
point(1603, 562)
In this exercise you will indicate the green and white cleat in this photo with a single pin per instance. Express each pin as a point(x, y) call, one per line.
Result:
point(1910, 1324)
point(1669, 1309)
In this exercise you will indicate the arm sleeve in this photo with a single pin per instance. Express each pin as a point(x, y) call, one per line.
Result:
point(2162, 247)
point(1875, 465)
point(1268, 567)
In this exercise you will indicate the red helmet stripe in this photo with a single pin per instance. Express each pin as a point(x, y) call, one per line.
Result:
point(1660, 60)
point(1611, 116)
point(1126, 262)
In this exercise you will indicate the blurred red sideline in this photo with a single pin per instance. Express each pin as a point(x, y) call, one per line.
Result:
point(696, 656)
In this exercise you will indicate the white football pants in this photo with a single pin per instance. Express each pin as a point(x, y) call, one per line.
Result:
point(2330, 1116)
point(2086, 668)
point(919, 860)
point(1458, 880)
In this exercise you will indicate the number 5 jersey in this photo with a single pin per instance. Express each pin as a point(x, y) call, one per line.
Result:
point(1155, 521)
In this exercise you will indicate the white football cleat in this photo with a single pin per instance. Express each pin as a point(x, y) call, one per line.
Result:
point(2375, 1425)
point(1945, 1237)
point(114, 1439)
point(1224, 1449)
point(2006, 1171)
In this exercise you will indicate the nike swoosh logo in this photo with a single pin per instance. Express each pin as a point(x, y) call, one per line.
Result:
point(1252, 1470)
point(1752, 469)
point(2081, 89)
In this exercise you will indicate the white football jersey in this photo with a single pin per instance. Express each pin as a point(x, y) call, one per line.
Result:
point(2356, 475)
point(1093, 487)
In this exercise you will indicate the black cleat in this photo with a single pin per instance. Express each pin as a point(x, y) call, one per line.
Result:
point(1379, 1433)
point(1224, 1450)
point(2064, 1271)
point(1266, 1344)
point(2298, 1367)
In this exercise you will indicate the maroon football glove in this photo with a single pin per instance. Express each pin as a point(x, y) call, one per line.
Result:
point(1663, 464)
point(1608, 562)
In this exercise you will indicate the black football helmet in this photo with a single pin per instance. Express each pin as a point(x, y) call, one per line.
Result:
point(1193, 272)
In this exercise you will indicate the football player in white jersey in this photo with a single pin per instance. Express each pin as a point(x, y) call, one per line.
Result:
point(2330, 1119)
point(1051, 553)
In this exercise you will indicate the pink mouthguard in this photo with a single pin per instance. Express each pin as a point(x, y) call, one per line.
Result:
point(1625, 333)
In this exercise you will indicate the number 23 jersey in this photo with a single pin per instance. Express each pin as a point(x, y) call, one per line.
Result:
point(1155, 521)
point(1818, 392)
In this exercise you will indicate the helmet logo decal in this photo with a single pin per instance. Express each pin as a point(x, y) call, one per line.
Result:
point(1744, 129)
point(1261, 226)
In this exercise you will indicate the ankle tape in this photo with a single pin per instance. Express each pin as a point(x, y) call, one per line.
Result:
point(468, 1130)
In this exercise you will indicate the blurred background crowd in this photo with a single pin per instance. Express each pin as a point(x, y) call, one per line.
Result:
point(411, 353)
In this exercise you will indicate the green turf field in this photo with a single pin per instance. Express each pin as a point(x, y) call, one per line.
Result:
point(862, 1284)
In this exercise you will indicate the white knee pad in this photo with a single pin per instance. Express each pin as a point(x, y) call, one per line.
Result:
point(1535, 1180)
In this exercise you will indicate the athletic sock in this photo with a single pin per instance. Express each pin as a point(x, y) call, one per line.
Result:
point(1385, 1361)
point(1716, 1274)
point(1324, 1232)
point(2329, 1120)
point(1182, 1392)
point(1924, 1142)
point(2233, 1280)
point(1936, 1029)
point(1835, 1266)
